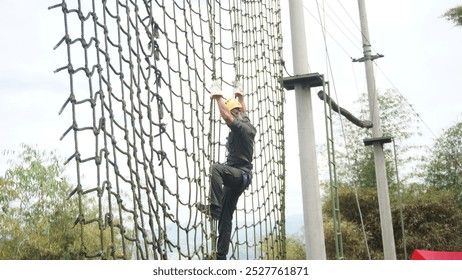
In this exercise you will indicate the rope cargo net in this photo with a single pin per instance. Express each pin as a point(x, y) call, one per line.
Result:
point(145, 131)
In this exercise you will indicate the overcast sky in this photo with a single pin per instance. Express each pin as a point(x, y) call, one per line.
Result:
point(422, 61)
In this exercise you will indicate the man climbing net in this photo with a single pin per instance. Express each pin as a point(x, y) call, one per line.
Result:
point(231, 179)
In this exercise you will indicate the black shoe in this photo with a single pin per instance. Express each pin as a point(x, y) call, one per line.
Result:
point(211, 210)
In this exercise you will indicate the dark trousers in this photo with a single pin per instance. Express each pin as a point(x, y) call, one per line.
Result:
point(226, 188)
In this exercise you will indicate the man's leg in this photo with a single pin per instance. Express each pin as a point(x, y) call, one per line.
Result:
point(223, 175)
point(225, 224)
point(232, 190)
point(216, 191)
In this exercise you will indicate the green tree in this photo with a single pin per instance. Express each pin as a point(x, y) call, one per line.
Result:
point(354, 245)
point(356, 161)
point(36, 218)
point(444, 168)
point(431, 221)
point(454, 15)
point(295, 247)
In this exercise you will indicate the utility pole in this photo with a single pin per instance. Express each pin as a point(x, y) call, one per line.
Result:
point(377, 141)
point(301, 82)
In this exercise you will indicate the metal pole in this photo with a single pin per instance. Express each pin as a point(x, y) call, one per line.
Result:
point(314, 231)
point(379, 158)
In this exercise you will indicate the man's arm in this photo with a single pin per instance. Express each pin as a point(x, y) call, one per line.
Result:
point(240, 98)
point(216, 93)
point(224, 112)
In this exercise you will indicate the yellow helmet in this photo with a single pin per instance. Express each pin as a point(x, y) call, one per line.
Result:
point(232, 103)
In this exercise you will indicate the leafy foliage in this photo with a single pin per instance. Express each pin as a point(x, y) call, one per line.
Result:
point(295, 247)
point(454, 15)
point(431, 221)
point(36, 218)
point(354, 245)
point(356, 161)
point(444, 168)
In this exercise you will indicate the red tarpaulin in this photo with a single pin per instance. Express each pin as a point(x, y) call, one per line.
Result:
point(435, 255)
